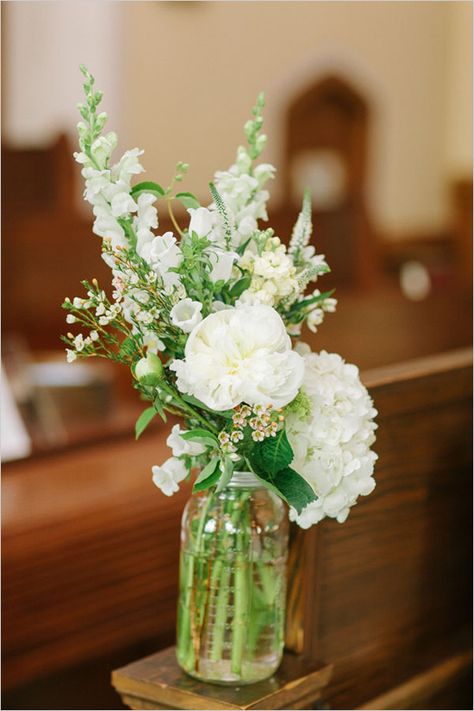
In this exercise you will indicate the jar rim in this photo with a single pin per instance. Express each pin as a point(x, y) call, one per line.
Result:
point(245, 479)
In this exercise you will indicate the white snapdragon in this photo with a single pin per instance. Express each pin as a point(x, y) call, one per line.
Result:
point(243, 196)
point(169, 475)
point(186, 314)
point(332, 444)
point(180, 446)
point(108, 190)
point(240, 355)
point(163, 253)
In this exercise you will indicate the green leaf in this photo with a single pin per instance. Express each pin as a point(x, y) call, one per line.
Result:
point(201, 435)
point(157, 404)
point(240, 286)
point(188, 200)
point(294, 488)
point(290, 486)
point(148, 186)
point(208, 476)
point(311, 300)
point(197, 403)
point(274, 453)
point(144, 420)
point(199, 432)
point(227, 469)
point(240, 250)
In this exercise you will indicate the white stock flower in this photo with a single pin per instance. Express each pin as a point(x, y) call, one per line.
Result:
point(186, 314)
point(168, 475)
point(332, 445)
point(180, 446)
point(202, 221)
point(240, 355)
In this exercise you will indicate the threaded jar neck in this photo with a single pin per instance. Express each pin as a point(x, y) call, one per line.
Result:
point(242, 480)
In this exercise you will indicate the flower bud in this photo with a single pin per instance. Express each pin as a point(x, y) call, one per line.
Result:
point(149, 370)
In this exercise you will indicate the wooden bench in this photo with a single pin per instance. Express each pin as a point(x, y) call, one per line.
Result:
point(90, 554)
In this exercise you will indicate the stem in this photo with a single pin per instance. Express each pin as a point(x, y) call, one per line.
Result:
point(173, 219)
point(240, 595)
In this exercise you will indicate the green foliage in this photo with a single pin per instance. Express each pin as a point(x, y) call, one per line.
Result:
point(208, 476)
point(227, 469)
point(269, 460)
point(188, 200)
point(144, 420)
point(273, 454)
point(221, 208)
point(202, 436)
point(148, 186)
point(253, 127)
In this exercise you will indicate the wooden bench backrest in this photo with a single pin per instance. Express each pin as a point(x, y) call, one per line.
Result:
point(391, 588)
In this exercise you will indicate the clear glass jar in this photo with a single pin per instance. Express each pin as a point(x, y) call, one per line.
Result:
point(231, 609)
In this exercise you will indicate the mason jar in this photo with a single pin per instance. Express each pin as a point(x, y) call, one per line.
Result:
point(231, 608)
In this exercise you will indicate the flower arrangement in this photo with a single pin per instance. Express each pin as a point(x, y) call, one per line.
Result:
point(205, 318)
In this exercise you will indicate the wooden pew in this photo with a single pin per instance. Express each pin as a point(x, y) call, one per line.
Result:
point(90, 553)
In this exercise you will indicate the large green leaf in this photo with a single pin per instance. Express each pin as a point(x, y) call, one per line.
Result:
point(274, 453)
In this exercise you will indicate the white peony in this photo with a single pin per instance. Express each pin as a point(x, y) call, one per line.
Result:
point(186, 314)
point(168, 476)
point(332, 445)
point(180, 446)
point(240, 355)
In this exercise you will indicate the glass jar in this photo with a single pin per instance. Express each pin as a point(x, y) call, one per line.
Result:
point(231, 609)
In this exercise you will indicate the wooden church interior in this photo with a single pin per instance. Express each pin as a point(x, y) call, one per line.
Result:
point(90, 553)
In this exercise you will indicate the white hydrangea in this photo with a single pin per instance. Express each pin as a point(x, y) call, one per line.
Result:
point(332, 444)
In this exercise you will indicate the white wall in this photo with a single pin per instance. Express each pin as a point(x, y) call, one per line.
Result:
point(180, 79)
point(44, 43)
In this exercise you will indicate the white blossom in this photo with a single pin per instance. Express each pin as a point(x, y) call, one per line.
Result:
point(222, 263)
point(186, 314)
point(70, 355)
point(167, 476)
point(240, 355)
point(181, 446)
point(332, 445)
point(202, 221)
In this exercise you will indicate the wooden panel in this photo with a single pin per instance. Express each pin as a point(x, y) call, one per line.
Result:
point(90, 552)
point(395, 579)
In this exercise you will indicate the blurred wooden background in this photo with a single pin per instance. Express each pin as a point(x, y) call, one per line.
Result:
point(90, 557)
